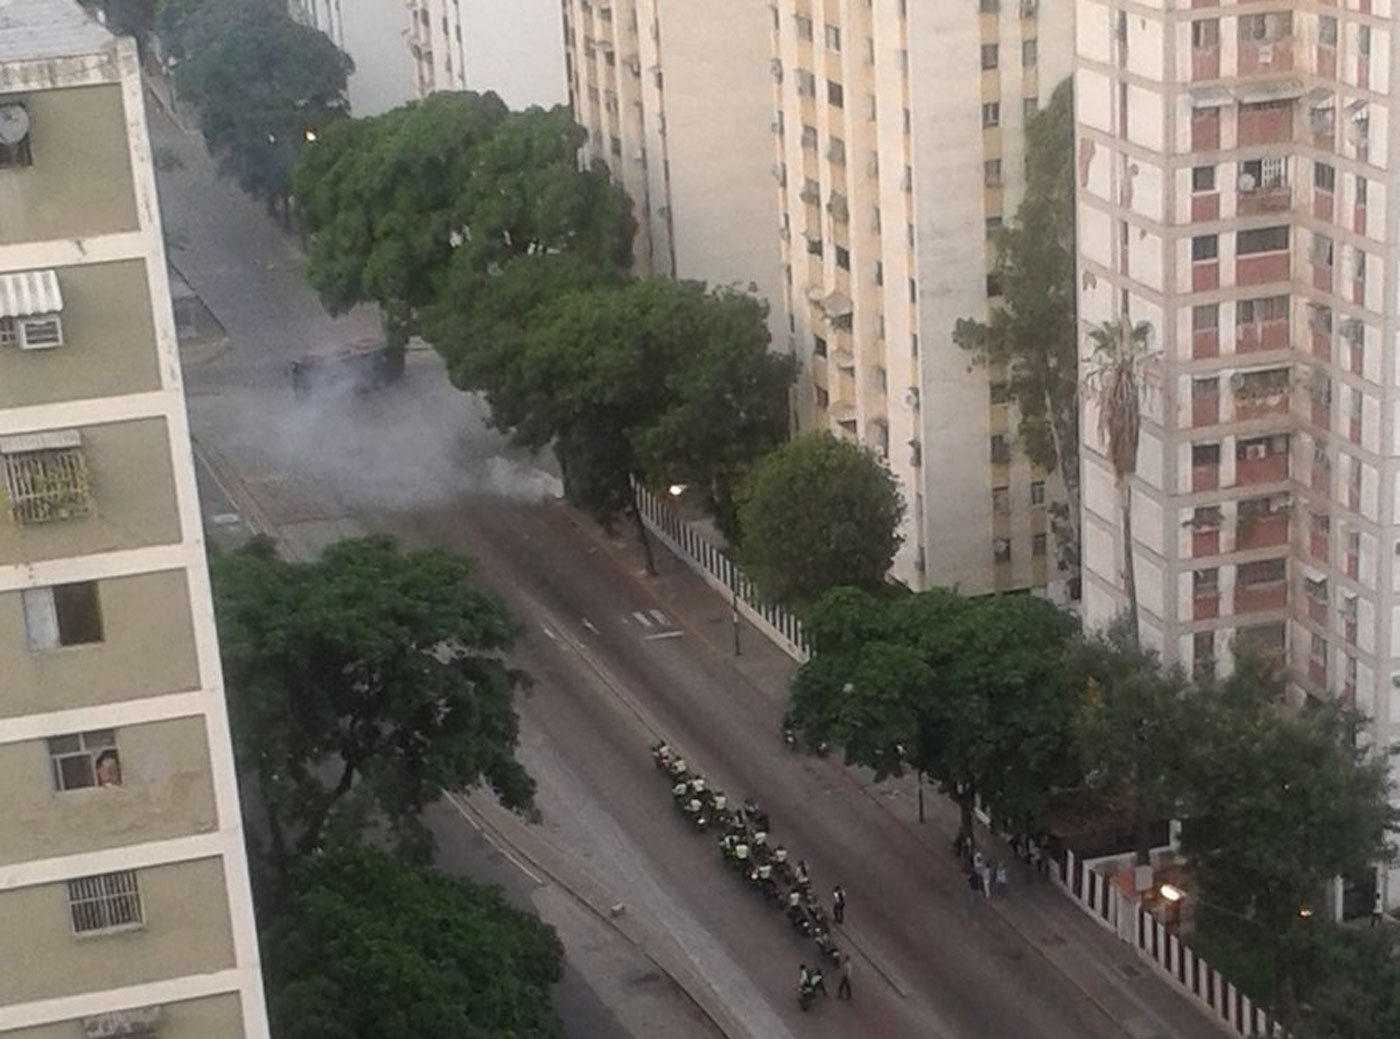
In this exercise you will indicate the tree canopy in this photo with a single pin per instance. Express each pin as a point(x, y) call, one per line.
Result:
point(974, 693)
point(818, 513)
point(432, 202)
point(362, 685)
point(370, 947)
point(1032, 331)
point(261, 82)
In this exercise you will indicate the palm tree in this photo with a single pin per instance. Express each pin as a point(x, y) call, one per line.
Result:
point(1116, 379)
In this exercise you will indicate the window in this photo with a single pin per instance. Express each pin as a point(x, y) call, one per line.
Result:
point(991, 114)
point(843, 257)
point(106, 902)
point(836, 151)
point(804, 27)
point(1268, 308)
point(1327, 31)
point(46, 476)
point(1038, 543)
point(84, 760)
point(1361, 191)
point(63, 615)
point(1317, 652)
point(1205, 317)
point(998, 392)
point(1203, 178)
point(1263, 174)
point(1205, 454)
point(814, 246)
point(1264, 27)
point(991, 172)
point(818, 346)
point(1268, 571)
point(1001, 550)
point(1029, 107)
point(1000, 447)
point(1205, 583)
point(835, 94)
point(1262, 240)
point(1029, 52)
point(993, 286)
point(809, 136)
point(1321, 250)
point(989, 6)
point(1203, 654)
point(1205, 247)
point(1001, 501)
point(989, 55)
point(1363, 39)
point(1205, 34)
point(1038, 492)
point(833, 37)
point(994, 225)
point(1324, 177)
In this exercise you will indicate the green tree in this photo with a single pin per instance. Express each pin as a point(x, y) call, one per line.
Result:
point(1350, 988)
point(1116, 380)
point(1032, 332)
point(361, 686)
point(1134, 729)
point(973, 693)
point(1279, 803)
point(262, 85)
point(431, 203)
point(134, 18)
point(370, 947)
point(818, 513)
point(656, 382)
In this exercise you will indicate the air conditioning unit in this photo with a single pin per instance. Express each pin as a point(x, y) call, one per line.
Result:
point(1266, 55)
point(1246, 182)
point(41, 332)
point(1255, 451)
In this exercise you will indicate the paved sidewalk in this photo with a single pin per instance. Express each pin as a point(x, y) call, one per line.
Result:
point(1107, 971)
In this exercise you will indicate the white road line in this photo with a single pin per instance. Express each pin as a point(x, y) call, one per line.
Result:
point(641, 618)
point(660, 618)
point(663, 635)
point(548, 633)
point(589, 625)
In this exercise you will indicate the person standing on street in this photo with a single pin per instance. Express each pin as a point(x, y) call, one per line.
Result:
point(838, 904)
point(843, 990)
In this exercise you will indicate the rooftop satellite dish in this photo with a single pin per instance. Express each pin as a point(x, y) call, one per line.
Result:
point(14, 124)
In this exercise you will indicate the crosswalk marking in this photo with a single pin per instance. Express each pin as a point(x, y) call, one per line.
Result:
point(660, 618)
point(641, 618)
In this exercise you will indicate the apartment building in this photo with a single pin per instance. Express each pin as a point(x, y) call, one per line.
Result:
point(406, 49)
point(850, 158)
point(677, 99)
point(125, 907)
point(1234, 166)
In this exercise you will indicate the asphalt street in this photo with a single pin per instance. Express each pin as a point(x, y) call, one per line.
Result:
point(612, 671)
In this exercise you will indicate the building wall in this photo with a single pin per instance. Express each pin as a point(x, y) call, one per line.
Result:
point(516, 48)
point(217, 1017)
point(86, 209)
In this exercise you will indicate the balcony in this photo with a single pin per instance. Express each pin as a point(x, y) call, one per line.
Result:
point(1269, 122)
point(1267, 531)
point(1255, 598)
point(1268, 468)
point(1258, 268)
point(1205, 409)
point(1273, 199)
point(1205, 477)
point(1324, 204)
point(1205, 606)
point(1205, 130)
point(1261, 335)
point(1262, 406)
point(1205, 342)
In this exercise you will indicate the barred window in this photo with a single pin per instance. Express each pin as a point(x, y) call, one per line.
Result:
point(85, 759)
point(46, 477)
point(106, 902)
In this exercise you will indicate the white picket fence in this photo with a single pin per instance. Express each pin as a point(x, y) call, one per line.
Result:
point(722, 574)
point(1167, 953)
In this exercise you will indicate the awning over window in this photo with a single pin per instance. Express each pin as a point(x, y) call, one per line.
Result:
point(1211, 97)
point(1250, 93)
point(26, 293)
point(52, 440)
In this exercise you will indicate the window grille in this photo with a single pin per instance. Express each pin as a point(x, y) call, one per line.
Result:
point(106, 902)
point(46, 477)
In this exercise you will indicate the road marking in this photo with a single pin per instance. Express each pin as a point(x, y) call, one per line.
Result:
point(663, 635)
point(642, 619)
point(660, 618)
point(548, 633)
point(589, 625)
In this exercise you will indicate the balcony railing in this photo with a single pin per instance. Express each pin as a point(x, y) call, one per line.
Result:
point(1253, 598)
point(1264, 200)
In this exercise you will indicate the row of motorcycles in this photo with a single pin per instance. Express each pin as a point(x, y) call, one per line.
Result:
point(746, 846)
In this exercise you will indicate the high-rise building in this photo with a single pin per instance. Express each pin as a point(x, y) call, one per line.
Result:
point(406, 49)
point(894, 131)
point(124, 891)
point(1234, 170)
point(677, 99)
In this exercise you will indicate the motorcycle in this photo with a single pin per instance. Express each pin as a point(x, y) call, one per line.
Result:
point(826, 945)
point(806, 995)
point(662, 755)
point(790, 737)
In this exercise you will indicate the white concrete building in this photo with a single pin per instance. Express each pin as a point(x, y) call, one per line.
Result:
point(893, 130)
point(1235, 166)
point(406, 49)
point(125, 905)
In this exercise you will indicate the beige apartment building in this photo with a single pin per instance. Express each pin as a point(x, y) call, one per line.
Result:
point(125, 907)
point(1235, 166)
point(850, 159)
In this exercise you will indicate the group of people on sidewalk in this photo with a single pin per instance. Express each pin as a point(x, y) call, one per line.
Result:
point(810, 979)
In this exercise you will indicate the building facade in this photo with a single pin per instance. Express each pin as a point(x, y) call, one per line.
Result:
point(1234, 173)
point(407, 49)
point(124, 886)
point(850, 159)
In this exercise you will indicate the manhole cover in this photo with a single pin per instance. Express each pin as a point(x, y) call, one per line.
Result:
point(1129, 970)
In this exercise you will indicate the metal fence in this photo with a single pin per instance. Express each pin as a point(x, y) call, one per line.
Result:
point(722, 573)
point(1155, 943)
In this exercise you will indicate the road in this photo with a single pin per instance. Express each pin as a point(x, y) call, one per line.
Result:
point(610, 675)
